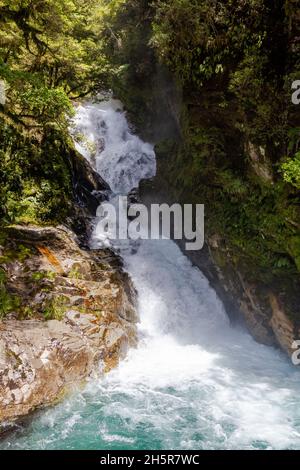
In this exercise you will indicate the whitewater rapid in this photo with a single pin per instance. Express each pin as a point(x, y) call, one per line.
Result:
point(193, 382)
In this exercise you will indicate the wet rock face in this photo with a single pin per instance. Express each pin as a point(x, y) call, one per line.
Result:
point(264, 308)
point(72, 315)
point(285, 330)
point(258, 307)
point(89, 187)
point(89, 191)
point(269, 311)
point(259, 163)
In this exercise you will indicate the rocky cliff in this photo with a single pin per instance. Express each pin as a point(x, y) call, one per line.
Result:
point(66, 314)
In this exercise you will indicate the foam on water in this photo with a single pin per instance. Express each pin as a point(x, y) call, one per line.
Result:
point(106, 130)
point(193, 382)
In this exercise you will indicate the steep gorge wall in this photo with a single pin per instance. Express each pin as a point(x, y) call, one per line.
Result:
point(221, 139)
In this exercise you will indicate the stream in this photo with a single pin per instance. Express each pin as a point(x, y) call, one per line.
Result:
point(194, 381)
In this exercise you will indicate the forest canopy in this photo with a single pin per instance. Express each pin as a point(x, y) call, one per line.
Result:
point(50, 51)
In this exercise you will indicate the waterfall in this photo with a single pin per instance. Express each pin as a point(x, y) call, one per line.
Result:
point(194, 381)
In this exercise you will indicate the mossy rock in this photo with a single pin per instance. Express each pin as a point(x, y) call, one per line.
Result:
point(294, 249)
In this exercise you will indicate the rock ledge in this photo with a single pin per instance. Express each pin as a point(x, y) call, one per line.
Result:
point(66, 314)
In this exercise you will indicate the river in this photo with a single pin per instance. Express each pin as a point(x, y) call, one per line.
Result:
point(194, 381)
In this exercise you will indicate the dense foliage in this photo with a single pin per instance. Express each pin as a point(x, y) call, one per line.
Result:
point(239, 59)
point(50, 51)
point(50, 54)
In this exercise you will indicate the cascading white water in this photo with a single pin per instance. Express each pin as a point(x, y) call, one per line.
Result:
point(193, 382)
point(114, 146)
